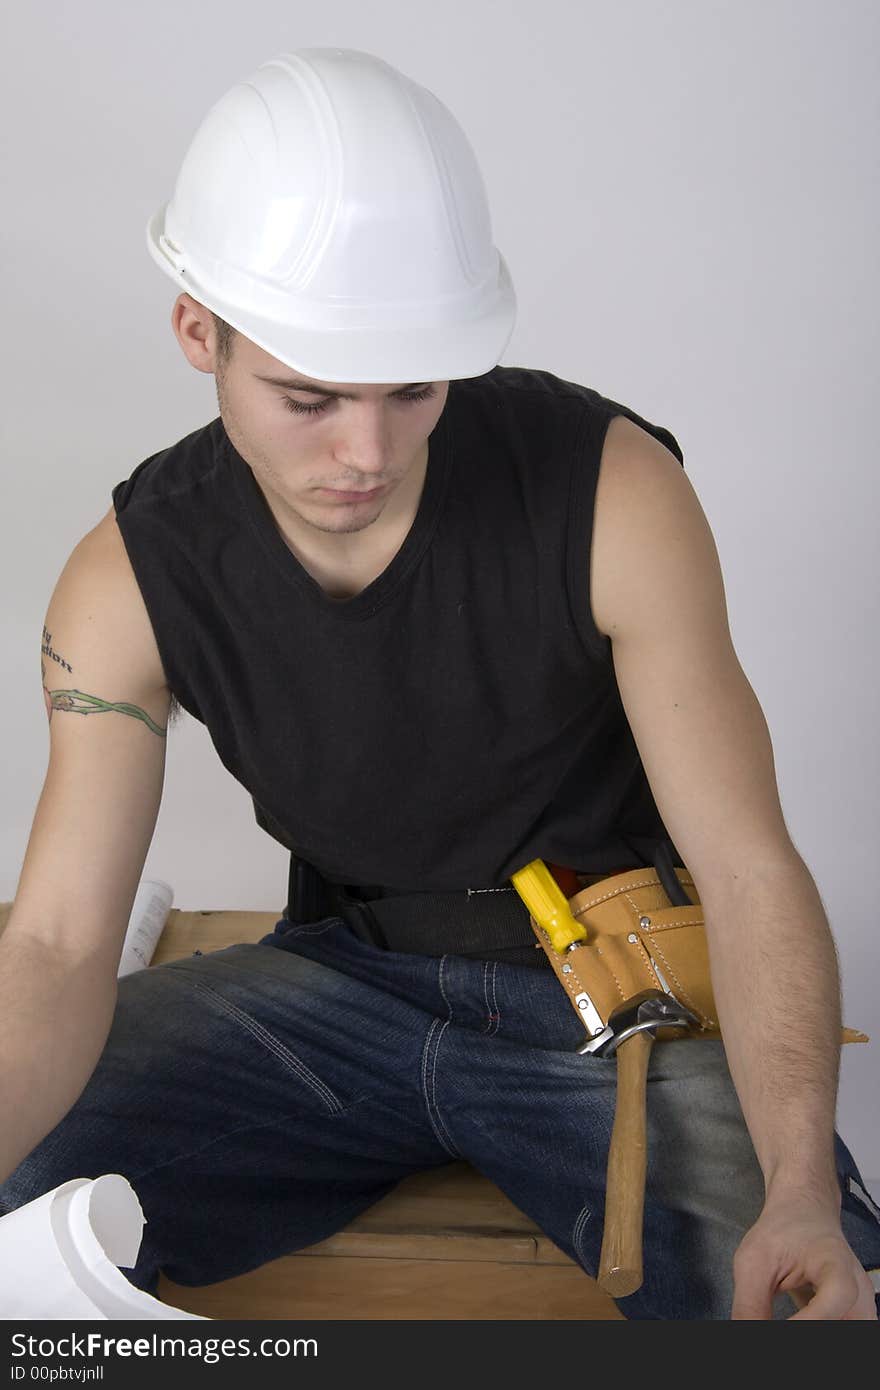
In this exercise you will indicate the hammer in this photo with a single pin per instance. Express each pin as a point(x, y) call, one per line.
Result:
point(629, 1032)
point(633, 1026)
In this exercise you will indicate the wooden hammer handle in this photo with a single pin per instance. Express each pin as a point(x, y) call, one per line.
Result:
point(620, 1263)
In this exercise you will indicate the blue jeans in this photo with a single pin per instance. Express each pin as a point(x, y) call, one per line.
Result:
point(259, 1097)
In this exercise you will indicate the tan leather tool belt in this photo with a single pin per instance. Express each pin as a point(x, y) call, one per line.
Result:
point(637, 941)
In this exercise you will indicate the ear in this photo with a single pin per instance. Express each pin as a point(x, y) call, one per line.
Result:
point(193, 326)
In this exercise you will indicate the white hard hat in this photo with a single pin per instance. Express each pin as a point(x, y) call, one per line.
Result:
point(333, 211)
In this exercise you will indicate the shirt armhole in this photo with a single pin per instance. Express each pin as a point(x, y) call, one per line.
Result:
point(586, 461)
point(586, 456)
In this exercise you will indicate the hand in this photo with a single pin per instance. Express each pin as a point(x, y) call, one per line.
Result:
point(797, 1247)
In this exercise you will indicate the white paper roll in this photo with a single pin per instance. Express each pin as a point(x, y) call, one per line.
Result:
point(59, 1256)
point(149, 913)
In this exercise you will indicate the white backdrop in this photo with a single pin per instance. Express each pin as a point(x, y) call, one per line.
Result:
point(687, 197)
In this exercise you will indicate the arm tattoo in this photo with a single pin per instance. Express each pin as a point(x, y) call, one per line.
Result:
point(77, 702)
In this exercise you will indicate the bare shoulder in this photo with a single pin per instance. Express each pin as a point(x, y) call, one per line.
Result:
point(107, 528)
point(641, 485)
point(103, 549)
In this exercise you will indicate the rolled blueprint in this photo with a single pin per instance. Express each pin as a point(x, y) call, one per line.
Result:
point(149, 913)
point(59, 1256)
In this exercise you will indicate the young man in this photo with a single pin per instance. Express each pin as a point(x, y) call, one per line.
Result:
point(440, 618)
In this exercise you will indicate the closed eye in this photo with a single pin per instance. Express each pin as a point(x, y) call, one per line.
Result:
point(409, 396)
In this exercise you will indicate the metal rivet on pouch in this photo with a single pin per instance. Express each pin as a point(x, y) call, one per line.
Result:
point(566, 969)
point(644, 921)
point(633, 938)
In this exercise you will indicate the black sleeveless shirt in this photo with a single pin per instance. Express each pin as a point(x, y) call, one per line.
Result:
point(457, 718)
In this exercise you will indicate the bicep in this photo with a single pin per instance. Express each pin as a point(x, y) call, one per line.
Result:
point(699, 728)
point(107, 708)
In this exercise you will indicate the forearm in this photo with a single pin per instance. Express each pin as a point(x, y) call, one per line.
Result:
point(55, 1015)
point(777, 989)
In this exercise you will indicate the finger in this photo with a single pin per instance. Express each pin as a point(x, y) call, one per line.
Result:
point(835, 1297)
point(864, 1309)
point(752, 1298)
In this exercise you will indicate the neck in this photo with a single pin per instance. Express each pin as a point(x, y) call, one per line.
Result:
point(344, 563)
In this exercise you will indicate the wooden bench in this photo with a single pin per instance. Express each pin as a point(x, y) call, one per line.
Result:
point(444, 1244)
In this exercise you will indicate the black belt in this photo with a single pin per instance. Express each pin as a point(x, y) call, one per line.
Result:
point(483, 923)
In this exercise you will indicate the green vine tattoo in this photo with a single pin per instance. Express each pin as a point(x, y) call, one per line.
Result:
point(92, 704)
point(77, 702)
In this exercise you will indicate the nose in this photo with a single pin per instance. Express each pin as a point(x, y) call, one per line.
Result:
point(364, 444)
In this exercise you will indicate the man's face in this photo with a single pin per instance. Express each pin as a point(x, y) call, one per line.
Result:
point(311, 452)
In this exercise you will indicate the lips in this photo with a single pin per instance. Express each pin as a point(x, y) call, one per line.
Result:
point(352, 496)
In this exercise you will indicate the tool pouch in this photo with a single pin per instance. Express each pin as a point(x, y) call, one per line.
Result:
point(637, 940)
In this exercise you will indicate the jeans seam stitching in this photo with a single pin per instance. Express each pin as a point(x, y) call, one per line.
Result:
point(284, 1055)
point(304, 930)
point(430, 1100)
point(496, 1012)
point(583, 1217)
point(442, 990)
point(434, 1087)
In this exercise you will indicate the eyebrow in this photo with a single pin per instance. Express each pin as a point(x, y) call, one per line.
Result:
point(293, 384)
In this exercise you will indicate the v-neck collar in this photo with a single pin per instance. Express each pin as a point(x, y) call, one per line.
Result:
point(380, 589)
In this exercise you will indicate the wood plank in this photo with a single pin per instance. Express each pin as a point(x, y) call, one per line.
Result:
point(454, 1197)
point(298, 1286)
point(506, 1247)
point(186, 932)
point(489, 1246)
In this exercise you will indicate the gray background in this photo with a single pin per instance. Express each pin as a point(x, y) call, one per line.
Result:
point(687, 197)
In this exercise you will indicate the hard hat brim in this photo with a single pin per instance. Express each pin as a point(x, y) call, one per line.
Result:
point(438, 345)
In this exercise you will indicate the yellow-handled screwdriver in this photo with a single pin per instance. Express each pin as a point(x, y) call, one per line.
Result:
point(548, 904)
